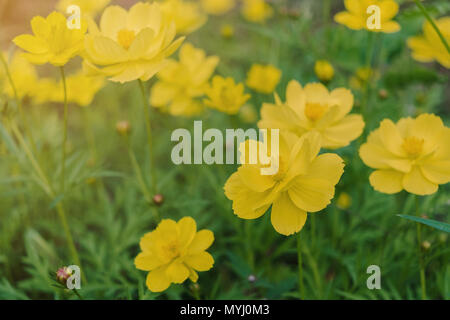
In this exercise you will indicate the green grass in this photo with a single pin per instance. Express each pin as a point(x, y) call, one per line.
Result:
point(108, 214)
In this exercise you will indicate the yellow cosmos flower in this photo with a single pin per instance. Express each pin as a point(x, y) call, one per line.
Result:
point(217, 7)
point(413, 154)
point(131, 45)
point(225, 95)
point(53, 42)
point(187, 15)
point(356, 17)
point(182, 83)
point(324, 70)
point(429, 46)
point(304, 182)
point(173, 252)
point(81, 89)
point(88, 7)
point(263, 78)
point(23, 74)
point(256, 10)
point(314, 108)
point(344, 201)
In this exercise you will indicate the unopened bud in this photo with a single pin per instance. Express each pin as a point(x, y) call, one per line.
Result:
point(158, 199)
point(123, 127)
point(426, 245)
point(383, 94)
point(63, 274)
point(251, 278)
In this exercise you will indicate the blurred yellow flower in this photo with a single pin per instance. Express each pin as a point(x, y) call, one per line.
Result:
point(324, 70)
point(182, 83)
point(344, 201)
point(263, 78)
point(217, 7)
point(411, 155)
point(362, 14)
point(130, 45)
point(88, 7)
point(256, 10)
point(186, 15)
point(173, 252)
point(304, 182)
point(81, 89)
point(314, 108)
point(53, 42)
point(248, 113)
point(225, 95)
point(429, 46)
point(227, 31)
point(23, 75)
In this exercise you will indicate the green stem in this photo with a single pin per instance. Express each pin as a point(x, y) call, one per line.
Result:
point(368, 65)
point(148, 126)
point(138, 172)
point(419, 244)
point(77, 294)
point(301, 287)
point(50, 192)
point(248, 235)
point(431, 21)
point(18, 101)
point(63, 162)
point(313, 231)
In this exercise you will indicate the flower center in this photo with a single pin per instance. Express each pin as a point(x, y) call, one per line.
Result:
point(413, 146)
point(125, 38)
point(171, 250)
point(315, 111)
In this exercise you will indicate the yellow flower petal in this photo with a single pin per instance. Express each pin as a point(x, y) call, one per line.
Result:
point(147, 262)
point(251, 176)
point(157, 280)
point(286, 218)
point(344, 131)
point(202, 261)
point(386, 181)
point(311, 194)
point(187, 228)
point(415, 182)
point(327, 166)
point(177, 272)
point(349, 20)
point(437, 171)
point(202, 241)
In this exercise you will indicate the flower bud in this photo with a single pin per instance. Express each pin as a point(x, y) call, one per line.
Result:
point(426, 245)
point(123, 127)
point(383, 94)
point(158, 199)
point(63, 274)
point(251, 278)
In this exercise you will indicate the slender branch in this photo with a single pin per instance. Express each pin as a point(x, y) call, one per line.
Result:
point(433, 24)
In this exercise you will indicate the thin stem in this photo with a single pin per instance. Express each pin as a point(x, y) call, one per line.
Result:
point(148, 126)
point(77, 294)
point(18, 101)
point(248, 236)
point(431, 21)
point(368, 65)
point(301, 287)
point(138, 171)
point(313, 231)
point(419, 244)
point(50, 192)
point(63, 161)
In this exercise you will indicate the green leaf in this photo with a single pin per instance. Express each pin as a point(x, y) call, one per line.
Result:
point(442, 226)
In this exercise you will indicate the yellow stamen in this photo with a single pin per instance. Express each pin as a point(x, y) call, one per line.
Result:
point(413, 146)
point(315, 111)
point(171, 250)
point(125, 38)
